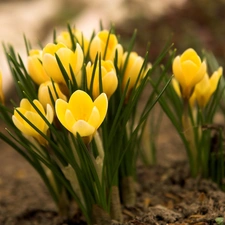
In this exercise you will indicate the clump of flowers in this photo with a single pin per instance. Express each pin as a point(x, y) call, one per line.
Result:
point(191, 102)
point(77, 123)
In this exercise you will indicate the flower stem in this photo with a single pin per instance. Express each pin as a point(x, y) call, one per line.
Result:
point(115, 209)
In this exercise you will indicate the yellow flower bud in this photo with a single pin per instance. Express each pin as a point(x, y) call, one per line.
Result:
point(206, 87)
point(2, 98)
point(106, 45)
point(65, 38)
point(109, 78)
point(35, 68)
point(188, 70)
point(44, 95)
point(82, 115)
point(132, 70)
point(29, 112)
point(67, 57)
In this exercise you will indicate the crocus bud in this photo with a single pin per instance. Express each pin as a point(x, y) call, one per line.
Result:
point(109, 78)
point(132, 71)
point(67, 57)
point(82, 115)
point(188, 70)
point(30, 113)
point(106, 45)
point(35, 67)
point(49, 90)
point(206, 87)
point(65, 38)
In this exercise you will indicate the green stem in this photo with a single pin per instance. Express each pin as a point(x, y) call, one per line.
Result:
point(190, 137)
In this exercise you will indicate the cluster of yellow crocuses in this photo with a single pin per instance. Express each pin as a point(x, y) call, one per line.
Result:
point(192, 81)
point(78, 112)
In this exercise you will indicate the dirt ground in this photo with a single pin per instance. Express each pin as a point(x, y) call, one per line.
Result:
point(166, 192)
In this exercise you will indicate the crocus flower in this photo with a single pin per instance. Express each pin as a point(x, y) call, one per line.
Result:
point(109, 78)
point(132, 71)
point(188, 70)
point(2, 98)
point(82, 115)
point(206, 87)
point(35, 67)
point(44, 96)
point(65, 38)
point(106, 45)
point(67, 57)
point(29, 112)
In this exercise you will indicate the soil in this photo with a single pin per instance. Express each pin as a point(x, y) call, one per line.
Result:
point(166, 194)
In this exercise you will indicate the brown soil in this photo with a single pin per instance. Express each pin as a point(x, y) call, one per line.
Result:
point(166, 194)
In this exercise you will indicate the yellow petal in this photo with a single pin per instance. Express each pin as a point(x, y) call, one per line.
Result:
point(94, 119)
point(81, 105)
point(214, 79)
point(83, 128)
point(110, 83)
point(190, 54)
point(60, 109)
point(69, 120)
point(101, 102)
point(52, 69)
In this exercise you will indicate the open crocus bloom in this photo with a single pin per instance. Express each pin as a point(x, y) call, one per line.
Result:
point(188, 70)
point(29, 112)
point(108, 75)
point(67, 57)
point(82, 115)
point(206, 87)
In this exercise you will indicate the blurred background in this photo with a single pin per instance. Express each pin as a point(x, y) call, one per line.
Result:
point(190, 23)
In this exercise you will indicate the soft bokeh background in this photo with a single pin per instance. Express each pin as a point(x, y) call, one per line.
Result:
point(37, 18)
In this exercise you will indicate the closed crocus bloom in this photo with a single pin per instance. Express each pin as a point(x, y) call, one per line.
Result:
point(109, 78)
point(132, 70)
point(35, 67)
point(82, 115)
point(206, 87)
point(106, 45)
point(188, 70)
point(67, 57)
point(2, 98)
point(65, 38)
point(29, 112)
point(44, 96)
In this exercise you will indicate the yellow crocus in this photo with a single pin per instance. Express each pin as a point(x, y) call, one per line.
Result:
point(65, 38)
point(35, 67)
point(188, 70)
point(106, 45)
point(206, 87)
point(109, 78)
point(30, 113)
point(132, 71)
point(2, 98)
point(82, 115)
point(44, 96)
point(67, 57)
